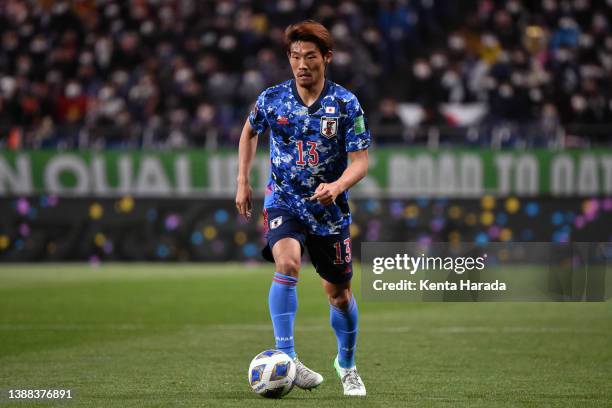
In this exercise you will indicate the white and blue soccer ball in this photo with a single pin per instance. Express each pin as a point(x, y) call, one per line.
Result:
point(271, 374)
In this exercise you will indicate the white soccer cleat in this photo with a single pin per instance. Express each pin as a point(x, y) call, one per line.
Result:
point(351, 381)
point(305, 378)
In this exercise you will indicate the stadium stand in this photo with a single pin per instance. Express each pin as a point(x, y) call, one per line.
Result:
point(177, 73)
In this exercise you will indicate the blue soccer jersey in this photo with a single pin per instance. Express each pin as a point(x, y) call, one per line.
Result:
point(309, 146)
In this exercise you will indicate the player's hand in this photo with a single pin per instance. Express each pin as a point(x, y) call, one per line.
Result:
point(326, 193)
point(244, 200)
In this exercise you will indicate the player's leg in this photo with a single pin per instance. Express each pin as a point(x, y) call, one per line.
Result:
point(286, 238)
point(282, 299)
point(283, 306)
point(343, 318)
point(331, 256)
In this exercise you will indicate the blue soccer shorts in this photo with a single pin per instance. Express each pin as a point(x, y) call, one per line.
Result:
point(330, 254)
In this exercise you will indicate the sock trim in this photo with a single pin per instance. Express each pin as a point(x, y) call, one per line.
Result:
point(284, 279)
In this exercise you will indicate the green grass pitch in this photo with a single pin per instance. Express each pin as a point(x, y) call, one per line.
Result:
point(163, 335)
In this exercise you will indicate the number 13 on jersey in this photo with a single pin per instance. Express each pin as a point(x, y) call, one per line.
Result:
point(312, 155)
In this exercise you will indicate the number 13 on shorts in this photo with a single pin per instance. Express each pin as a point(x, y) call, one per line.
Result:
point(340, 257)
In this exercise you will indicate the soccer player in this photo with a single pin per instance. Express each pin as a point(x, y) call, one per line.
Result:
point(318, 149)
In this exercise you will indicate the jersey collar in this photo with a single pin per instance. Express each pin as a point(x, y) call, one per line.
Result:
point(317, 104)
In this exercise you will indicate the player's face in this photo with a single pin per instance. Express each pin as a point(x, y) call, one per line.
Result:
point(307, 63)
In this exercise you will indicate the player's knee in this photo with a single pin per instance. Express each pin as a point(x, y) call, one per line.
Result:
point(288, 266)
point(340, 299)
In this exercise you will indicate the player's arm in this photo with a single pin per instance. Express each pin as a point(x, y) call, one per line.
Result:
point(246, 152)
point(357, 169)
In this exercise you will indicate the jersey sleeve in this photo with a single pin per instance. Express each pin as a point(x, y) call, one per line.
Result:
point(357, 131)
point(257, 117)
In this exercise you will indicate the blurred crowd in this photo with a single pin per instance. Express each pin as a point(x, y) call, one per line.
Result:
point(177, 73)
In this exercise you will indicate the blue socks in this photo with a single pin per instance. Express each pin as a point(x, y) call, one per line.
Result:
point(344, 323)
point(283, 305)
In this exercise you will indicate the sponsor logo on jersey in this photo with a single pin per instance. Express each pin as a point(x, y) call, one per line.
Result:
point(329, 127)
point(275, 223)
point(282, 120)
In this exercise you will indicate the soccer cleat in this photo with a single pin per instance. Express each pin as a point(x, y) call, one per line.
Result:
point(351, 381)
point(305, 378)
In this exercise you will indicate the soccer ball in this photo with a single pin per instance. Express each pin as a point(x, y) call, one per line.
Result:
point(271, 374)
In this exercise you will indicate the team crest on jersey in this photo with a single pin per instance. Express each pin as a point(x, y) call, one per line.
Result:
point(275, 223)
point(329, 127)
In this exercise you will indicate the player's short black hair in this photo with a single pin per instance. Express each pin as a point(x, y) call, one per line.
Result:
point(312, 31)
